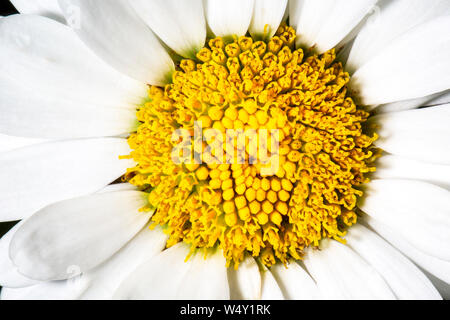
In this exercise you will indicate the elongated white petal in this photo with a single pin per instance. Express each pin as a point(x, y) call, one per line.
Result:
point(340, 273)
point(107, 277)
point(421, 134)
point(46, 8)
point(403, 277)
point(140, 56)
point(267, 13)
point(245, 282)
point(53, 290)
point(168, 276)
point(99, 283)
point(9, 277)
point(8, 143)
point(270, 290)
point(388, 77)
point(206, 279)
point(81, 232)
point(438, 267)
point(62, 63)
point(309, 18)
point(295, 282)
point(229, 18)
point(389, 21)
point(441, 98)
point(344, 47)
point(396, 167)
point(343, 24)
point(418, 211)
point(180, 24)
point(157, 278)
point(36, 176)
point(55, 87)
point(323, 24)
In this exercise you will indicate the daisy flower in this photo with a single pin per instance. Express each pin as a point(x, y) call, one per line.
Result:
point(115, 122)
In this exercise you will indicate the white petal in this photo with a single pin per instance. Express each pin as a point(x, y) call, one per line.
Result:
point(442, 98)
point(267, 12)
point(439, 268)
point(36, 176)
point(207, 279)
point(107, 277)
point(342, 274)
point(388, 77)
point(418, 211)
point(403, 277)
point(421, 134)
point(245, 282)
point(157, 278)
point(396, 167)
point(295, 282)
point(389, 21)
point(53, 290)
point(8, 143)
point(9, 277)
point(81, 232)
point(169, 276)
point(325, 23)
point(347, 42)
point(405, 104)
point(229, 18)
point(54, 87)
point(180, 24)
point(294, 11)
point(270, 290)
point(46, 8)
point(135, 50)
point(308, 18)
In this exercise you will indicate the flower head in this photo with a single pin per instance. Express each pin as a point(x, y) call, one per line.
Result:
point(243, 149)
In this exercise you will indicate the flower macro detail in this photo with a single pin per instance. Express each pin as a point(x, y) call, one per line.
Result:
point(225, 149)
point(235, 88)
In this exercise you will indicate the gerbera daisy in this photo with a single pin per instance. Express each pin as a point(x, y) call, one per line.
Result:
point(239, 149)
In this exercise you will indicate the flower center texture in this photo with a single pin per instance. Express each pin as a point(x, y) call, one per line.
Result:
point(255, 147)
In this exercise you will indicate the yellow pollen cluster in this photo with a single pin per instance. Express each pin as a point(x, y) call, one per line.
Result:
point(252, 85)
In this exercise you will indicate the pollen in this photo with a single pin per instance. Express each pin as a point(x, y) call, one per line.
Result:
point(206, 198)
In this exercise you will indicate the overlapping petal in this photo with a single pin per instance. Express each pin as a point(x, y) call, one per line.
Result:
point(403, 70)
point(36, 176)
point(421, 134)
point(417, 211)
point(267, 16)
point(77, 234)
point(113, 30)
point(180, 24)
point(229, 18)
point(323, 24)
point(54, 87)
point(168, 276)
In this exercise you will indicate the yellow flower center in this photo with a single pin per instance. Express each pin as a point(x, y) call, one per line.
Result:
point(247, 90)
